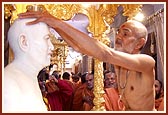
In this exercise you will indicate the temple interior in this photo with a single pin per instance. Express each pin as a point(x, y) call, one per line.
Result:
point(99, 21)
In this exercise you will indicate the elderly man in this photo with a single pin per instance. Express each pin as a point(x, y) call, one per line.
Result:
point(111, 96)
point(87, 93)
point(133, 69)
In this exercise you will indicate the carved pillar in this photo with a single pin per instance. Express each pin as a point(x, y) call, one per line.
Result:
point(99, 16)
point(60, 53)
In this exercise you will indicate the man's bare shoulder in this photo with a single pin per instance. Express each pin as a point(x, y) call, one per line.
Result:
point(136, 62)
point(146, 59)
point(145, 56)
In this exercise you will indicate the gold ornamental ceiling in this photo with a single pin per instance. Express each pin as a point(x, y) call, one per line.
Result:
point(96, 13)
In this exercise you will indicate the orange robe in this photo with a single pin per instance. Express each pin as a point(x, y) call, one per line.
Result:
point(88, 97)
point(161, 106)
point(78, 99)
point(111, 98)
point(76, 85)
point(159, 101)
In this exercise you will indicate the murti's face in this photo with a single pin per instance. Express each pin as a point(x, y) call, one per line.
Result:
point(41, 46)
point(125, 40)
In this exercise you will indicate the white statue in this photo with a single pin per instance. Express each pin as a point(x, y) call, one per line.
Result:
point(32, 49)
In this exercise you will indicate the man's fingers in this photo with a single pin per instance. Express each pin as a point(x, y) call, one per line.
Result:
point(30, 15)
point(33, 22)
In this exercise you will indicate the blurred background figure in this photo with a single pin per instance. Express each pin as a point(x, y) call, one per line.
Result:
point(159, 94)
point(111, 94)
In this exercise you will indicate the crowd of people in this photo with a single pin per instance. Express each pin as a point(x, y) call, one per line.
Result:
point(77, 92)
point(74, 92)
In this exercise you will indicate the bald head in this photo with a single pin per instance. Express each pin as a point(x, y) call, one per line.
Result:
point(131, 37)
point(19, 30)
point(138, 28)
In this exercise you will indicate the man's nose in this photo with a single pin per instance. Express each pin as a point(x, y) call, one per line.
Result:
point(118, 36)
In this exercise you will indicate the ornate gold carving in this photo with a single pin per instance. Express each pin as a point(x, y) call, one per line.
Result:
point(110, 12)
point(20, 8)
point(8, 8)
point(63, 11)
point(35, 8)
point(60, 53)
point(131, 10)
point(98, 86)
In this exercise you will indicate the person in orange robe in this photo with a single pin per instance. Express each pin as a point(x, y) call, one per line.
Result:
point(87, 93)
point(76, 81)
point(78, 99)
point(158, 94)
point(161, 106)
point(111, 95)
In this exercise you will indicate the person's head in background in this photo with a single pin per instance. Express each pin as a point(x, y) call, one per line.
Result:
point(56, 74)
point(83, 77)
point(75, 78)
point(90, 80)
point(66, 76)
point(158, 88)
point(109, 79)
point(43, 75)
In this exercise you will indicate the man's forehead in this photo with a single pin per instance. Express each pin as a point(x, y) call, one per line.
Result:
point(122, 26)
point(157, 82)
point(110, 74)
point(89, 77)
point(126, 27)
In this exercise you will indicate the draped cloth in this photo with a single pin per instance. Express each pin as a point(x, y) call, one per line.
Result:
point(111, 98)
point(55, 99)
point(156, 23)
point(67, 104)
point(78, 99)
point(159, 102)
point(76, 86)
point(161, 106)
point(88, 97)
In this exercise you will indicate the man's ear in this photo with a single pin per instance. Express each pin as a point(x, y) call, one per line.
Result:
point(23, 43)
point(140, 43)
